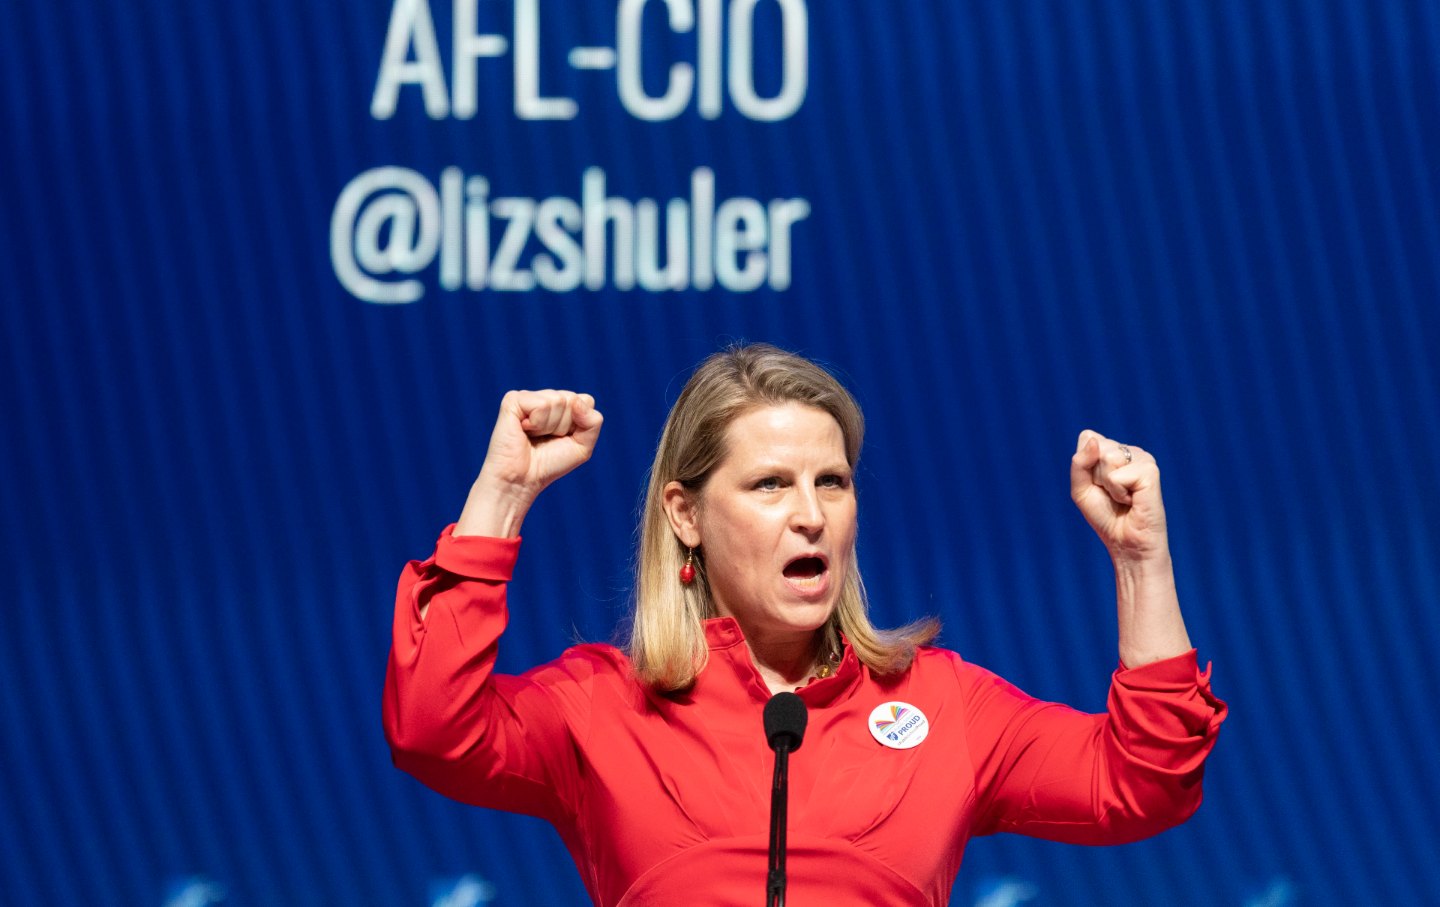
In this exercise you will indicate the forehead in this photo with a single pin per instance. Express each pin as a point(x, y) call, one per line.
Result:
point(788, 432)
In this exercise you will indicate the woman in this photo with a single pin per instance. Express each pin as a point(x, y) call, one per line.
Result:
point(651, 761)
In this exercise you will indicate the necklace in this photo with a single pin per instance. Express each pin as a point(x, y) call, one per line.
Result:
point(827, 667)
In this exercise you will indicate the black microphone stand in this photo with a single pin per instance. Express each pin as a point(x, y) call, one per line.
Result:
point(785, 719)
point(779, 806)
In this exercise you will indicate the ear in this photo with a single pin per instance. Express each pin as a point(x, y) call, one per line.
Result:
point(682, 509)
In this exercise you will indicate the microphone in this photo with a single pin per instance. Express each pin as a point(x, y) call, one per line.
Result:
point(785, 719)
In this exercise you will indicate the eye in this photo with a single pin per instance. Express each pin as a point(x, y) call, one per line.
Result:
point(833, 480)
point(769, 483)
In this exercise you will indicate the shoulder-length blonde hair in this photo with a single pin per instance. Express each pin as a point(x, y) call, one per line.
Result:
point(667, 638)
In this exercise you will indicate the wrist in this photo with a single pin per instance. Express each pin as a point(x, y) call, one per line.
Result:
point(1148, 607)
point(1139, 562)
point(1141, 566)
point(494, 508)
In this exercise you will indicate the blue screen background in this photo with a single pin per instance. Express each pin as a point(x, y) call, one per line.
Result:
point(1208, 228)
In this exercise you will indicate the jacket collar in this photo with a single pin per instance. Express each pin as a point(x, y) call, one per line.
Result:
point(730, 659)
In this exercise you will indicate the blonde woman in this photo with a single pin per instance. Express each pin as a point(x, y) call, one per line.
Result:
point(650, 760)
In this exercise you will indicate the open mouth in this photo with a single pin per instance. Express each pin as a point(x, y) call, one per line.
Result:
point(806, 572)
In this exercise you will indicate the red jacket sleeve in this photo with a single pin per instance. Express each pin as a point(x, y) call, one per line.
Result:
point(1063, 775)
point(482, 738)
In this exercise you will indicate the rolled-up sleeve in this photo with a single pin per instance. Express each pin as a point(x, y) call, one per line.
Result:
point(1056, 773)
point(501, 741)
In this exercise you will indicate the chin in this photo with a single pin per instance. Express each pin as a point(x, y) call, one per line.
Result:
point(809, 616)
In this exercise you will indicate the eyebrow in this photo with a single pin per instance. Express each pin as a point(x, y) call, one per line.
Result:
point(770, 467)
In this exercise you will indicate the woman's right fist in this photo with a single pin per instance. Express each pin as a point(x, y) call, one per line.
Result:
point(539, 436)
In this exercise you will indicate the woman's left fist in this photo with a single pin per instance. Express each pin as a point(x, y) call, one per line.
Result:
point(1117, 488)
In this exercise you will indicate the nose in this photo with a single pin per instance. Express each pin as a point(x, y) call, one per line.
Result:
point(807, 516)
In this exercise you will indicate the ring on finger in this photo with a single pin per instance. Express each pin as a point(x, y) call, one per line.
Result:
point(1129, 457)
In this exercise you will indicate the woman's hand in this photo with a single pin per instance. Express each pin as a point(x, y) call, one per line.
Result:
point(539, 436)
point(1117, 488)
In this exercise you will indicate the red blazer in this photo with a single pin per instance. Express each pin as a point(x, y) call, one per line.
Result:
point(664, 798)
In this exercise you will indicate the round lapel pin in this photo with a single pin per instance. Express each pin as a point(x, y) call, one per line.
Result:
point(898, 725)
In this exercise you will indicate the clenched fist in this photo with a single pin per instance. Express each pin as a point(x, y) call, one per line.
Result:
point(539, 436)
point(1117, 488)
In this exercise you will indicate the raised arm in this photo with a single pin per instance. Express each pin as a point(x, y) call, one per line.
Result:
point(1045, 770)
point(491, 740)
point(1050, 771)
point(1117, 488)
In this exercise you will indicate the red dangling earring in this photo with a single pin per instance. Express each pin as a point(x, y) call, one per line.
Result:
point(687, 570)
